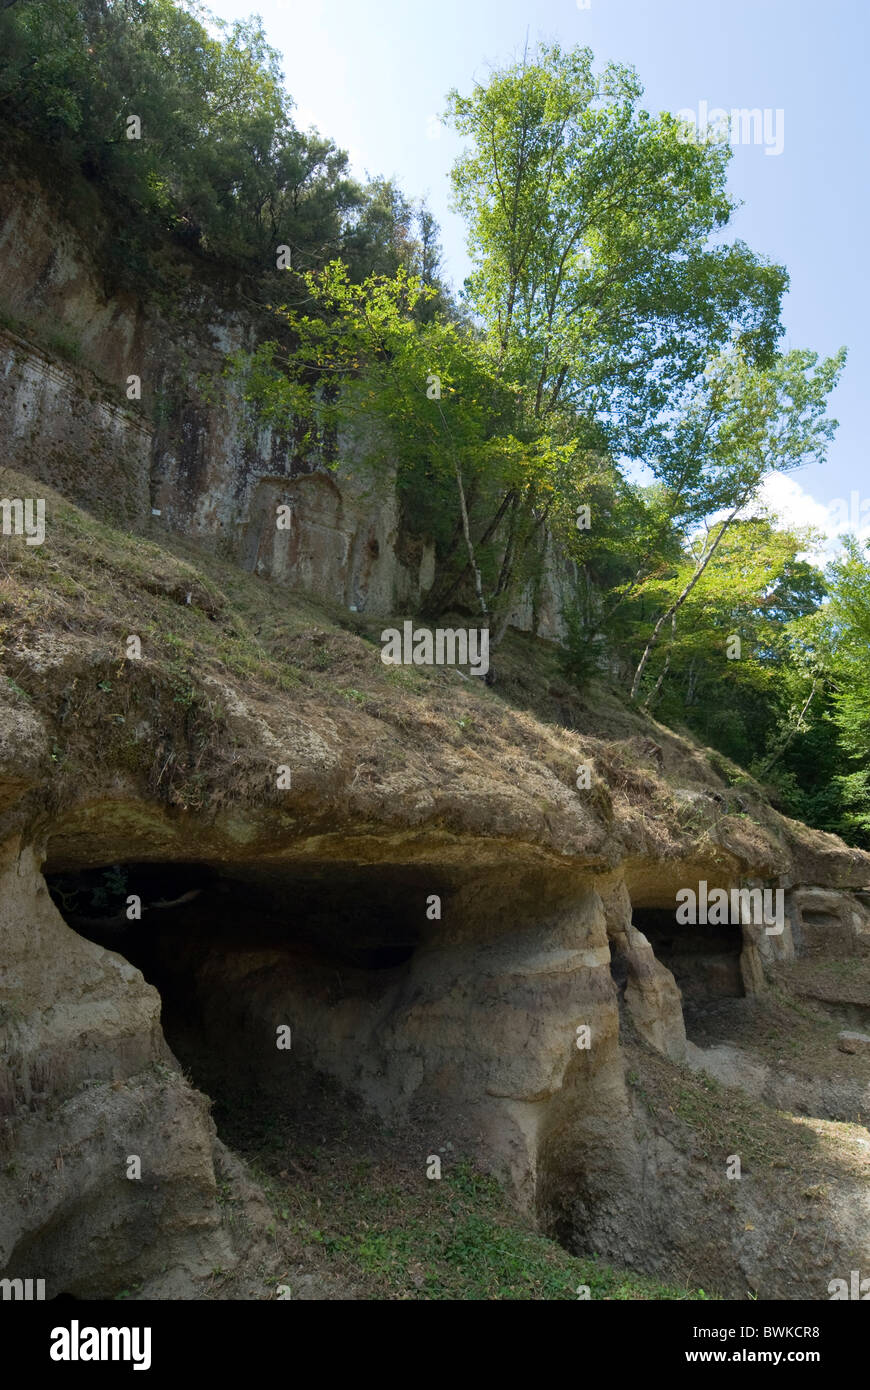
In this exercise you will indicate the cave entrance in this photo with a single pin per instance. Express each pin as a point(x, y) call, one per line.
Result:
point(703, 959)
point(319, 951)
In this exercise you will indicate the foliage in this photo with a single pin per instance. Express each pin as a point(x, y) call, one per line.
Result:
point(427, 397)
point(589, 227)
point(219, 161)
point(842, 632)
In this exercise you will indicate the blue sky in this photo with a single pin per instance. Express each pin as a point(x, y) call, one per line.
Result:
point(373, 76)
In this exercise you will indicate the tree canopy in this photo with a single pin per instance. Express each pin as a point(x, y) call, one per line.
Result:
point(218, 159)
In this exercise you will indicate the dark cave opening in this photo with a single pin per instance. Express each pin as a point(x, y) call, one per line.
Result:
point(360, 920)
point(704, 959)
point(237, 954)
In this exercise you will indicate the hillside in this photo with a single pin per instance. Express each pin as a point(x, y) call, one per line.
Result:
point(311, 907)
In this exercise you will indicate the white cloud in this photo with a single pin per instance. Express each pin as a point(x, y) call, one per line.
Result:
point(795, 507)
point(792, 508)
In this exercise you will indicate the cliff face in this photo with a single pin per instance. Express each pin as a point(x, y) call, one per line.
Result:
point(396, 866)
point(187, 457)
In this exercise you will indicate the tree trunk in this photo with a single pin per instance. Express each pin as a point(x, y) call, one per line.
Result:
point(667, 666)
point(704, 560)
point(779, 752)
point(466, 529)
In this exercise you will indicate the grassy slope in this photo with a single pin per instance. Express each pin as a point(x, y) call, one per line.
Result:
point(90, 586)
point(349, 1211)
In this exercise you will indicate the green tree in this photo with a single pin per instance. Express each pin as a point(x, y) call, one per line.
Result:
point(443, 416)
point(596, 286)
point(589, 229)
point(219, 160)
point(740, 423)
point(843, 628)
point(752, 589)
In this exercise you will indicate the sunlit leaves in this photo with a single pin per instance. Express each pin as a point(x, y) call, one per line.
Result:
point(589, 225)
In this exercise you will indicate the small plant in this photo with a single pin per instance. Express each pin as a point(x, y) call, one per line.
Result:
point(16, 689)
point(577, 659)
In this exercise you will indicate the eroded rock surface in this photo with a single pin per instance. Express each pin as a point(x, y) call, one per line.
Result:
point(456, 937)
point(87, 1083)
